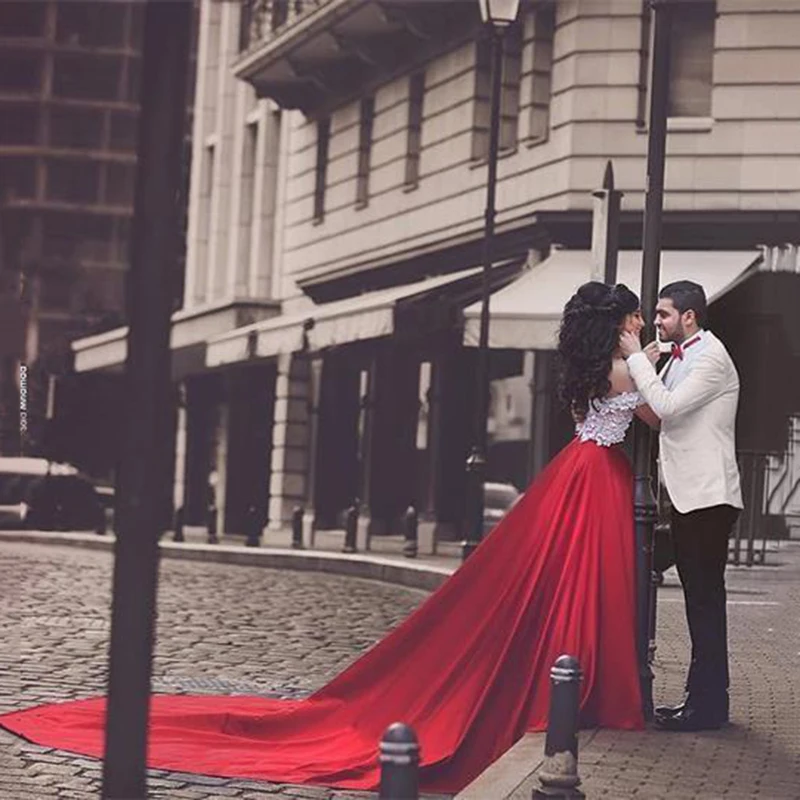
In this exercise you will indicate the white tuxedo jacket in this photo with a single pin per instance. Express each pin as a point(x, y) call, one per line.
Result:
point(697, 404)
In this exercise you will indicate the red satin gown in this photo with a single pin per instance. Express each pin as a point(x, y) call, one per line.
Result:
point(469, 669)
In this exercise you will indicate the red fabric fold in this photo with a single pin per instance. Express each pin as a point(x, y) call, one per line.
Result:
point(468, 670)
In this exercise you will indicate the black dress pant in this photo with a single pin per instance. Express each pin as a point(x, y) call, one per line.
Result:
point(701, 553)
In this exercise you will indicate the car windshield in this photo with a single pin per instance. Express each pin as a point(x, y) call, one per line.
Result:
point(500, 496)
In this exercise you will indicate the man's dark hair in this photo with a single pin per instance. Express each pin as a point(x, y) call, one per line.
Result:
point(687, 296)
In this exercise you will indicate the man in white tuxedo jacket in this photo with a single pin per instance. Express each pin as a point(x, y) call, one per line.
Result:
point(696, 397)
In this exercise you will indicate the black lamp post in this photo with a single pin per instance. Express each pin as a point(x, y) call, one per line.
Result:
point(645, 509)
point(497, 15)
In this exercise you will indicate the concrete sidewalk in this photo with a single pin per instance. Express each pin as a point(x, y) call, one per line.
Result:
point(757, 756)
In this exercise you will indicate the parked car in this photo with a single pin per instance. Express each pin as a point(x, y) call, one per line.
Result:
point(42, 495)
point(498, 498)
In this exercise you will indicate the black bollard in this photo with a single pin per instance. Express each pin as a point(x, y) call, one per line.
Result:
point(253, 527)
point(558, 775)
point(399, 763)
point(297, 528)
point(211, 513)
point(350, 529)
point(410, 526)
point(178, 535)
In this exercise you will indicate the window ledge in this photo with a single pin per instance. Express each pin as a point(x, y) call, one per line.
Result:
point(535, 141)
point(359, 204)
point(684, 125)
point(692, 124)
point(484, 160)
point(317, 220)
point(410, 187)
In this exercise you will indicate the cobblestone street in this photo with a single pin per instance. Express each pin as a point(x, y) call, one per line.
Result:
point(221, 629)
point(251, 630)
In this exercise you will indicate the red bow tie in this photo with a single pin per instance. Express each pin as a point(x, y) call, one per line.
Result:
point(677, 349)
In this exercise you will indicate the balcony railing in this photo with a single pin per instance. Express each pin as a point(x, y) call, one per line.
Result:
point(261, 19)
point(313, 55)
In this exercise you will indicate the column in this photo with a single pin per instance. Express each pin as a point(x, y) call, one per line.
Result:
point(179, 492)
point(315, 394)
point(220, 463)
point(290, 439)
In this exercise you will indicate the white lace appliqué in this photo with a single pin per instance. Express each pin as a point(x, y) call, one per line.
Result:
point(608, 420)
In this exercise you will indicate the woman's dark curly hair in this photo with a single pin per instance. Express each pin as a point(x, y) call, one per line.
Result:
point(588, 336)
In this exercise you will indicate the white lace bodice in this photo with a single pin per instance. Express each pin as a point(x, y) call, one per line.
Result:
point(608, 419)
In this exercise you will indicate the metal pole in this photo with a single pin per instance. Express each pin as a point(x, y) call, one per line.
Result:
point(476, 461)
point(645, 509)
point(149, 299)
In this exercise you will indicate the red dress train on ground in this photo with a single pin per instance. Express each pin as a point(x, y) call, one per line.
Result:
point(468, 670)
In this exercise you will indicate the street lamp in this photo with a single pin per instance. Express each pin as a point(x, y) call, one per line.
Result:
point(645, 509)
point(499, 13)
point(497, 16)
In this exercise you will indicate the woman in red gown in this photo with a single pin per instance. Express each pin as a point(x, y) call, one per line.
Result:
point(469, 669)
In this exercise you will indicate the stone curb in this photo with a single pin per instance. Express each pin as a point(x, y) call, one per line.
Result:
point(412, 575)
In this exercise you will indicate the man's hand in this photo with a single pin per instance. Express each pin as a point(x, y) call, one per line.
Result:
point(652, 352)
point(629, 344)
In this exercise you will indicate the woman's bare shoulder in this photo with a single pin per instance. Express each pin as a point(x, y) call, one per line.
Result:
point(620, 378)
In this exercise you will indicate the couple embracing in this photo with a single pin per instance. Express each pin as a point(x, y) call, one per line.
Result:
point(469, 669)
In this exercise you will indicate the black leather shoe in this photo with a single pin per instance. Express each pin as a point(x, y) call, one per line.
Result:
point(689, 720)
point(669, 711)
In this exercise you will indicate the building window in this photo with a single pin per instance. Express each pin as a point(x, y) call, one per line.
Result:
point(76, 127)
point(544, 25)
point(206, 200)
point(124, 131)
point(416, 96)
point(91, 24)
point(320, 176)
point(691, 60)
point(20, 72)
point(18, 177)
point(366, 119)
point(247, 188)
point(120, 184)
point(82, 76)
point(71, 181)
point(22, 20)
point(509, 98)
point(20, 124)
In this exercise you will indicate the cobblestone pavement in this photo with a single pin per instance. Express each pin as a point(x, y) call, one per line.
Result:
point(234, 629)
point(221, 629)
